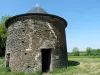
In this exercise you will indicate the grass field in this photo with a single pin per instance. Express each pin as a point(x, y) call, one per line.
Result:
point(77, 66)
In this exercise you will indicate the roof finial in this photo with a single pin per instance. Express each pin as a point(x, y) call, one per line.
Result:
point(37, 3)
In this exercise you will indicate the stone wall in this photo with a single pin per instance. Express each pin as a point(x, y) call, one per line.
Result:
point(27, 35)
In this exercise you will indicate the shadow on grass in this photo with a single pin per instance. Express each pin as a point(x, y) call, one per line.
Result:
point(73, 63)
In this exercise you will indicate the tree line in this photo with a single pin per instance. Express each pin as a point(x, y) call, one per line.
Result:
point(88, 52)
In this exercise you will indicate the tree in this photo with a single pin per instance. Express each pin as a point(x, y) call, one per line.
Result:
point(3, 19)
point(98, 51)
point(75, 51)
point(88, 51)
point(94, 52)
point(3, 31)
point(3, 35)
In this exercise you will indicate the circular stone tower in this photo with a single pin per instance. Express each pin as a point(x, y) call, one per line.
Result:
point(36, 41)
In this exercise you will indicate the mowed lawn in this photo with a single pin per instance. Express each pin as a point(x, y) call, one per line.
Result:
point(77, 66)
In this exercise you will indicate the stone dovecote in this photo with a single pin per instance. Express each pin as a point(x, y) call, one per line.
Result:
point(36, 41)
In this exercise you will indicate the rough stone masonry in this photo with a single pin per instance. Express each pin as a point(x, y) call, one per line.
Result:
point(36, 42)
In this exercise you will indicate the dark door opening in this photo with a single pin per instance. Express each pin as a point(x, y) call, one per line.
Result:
point(7, 62)
point(46, 59)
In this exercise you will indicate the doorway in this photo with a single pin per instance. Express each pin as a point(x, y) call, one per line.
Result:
point(7, 62)
point(46, 59)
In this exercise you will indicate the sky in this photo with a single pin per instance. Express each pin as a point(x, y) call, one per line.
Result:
point(83, 17)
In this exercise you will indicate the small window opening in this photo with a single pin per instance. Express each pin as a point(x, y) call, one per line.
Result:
point(23, 30)
point(22, 41)
point(25, 53)
point(46, 30)
point(28, 66)
point(34, 23)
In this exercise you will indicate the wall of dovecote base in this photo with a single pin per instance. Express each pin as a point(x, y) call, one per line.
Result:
point(28, 35)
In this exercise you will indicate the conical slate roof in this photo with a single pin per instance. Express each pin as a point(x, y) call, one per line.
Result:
point(37, 9)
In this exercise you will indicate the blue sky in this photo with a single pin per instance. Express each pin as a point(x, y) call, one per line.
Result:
point(83, 17)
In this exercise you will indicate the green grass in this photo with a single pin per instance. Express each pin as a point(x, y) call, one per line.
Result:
point(77, 66)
